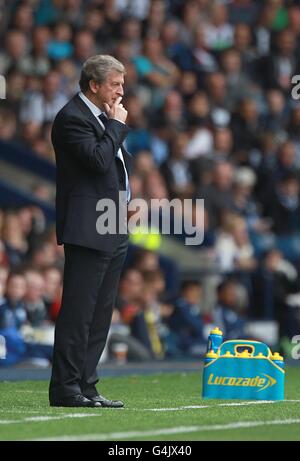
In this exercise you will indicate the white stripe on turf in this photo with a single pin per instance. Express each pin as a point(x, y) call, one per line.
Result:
point(231, 404)
point(172, 430)
point(27, 391)
point(33, 419)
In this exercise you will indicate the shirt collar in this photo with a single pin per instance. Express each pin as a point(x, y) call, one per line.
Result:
point(93, 108)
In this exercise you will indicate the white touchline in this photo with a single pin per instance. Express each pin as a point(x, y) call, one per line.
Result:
point(33, 419)
point(231, 404)
point(28, 391)
point(22, 412)
point(171, 430)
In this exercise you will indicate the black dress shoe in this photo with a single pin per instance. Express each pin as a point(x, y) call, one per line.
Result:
point(77, 400)
point(105, 403)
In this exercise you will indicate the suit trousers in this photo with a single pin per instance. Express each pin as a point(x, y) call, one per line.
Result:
point(90, 287)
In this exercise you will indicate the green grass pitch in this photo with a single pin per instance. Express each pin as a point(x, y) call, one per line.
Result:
point(162, 407)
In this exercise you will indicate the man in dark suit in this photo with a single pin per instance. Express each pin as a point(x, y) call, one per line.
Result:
point(92, 166)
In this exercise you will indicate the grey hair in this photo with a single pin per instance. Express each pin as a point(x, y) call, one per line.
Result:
point(97, 68)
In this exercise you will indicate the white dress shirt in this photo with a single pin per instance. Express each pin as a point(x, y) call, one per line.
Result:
point(96, 112)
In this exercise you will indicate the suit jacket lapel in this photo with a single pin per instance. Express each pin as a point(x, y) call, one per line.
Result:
point(84, 108)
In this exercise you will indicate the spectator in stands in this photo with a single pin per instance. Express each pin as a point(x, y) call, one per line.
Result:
point(145, 261)
point(294, 20)
point(171, 114)
point(131, 308)
point(155, 312)
point(13, 312)
point(131, 31)
point(14, 239)
point(43, 254)
point(176, 49)
point(186, 321)
point(60, 47)
point(38, 62)
point(15, 51)
point(237, 82)
point(229, 313)
point(246, 127)
point(34, 303)
point(177, 170)
point(18, 351)
point(120, 333)
point(223, 144)
point(264, 164)
point(286, 161)
point(8, 125)
point(94, 22)
point(32, 222)
point(68, 76)
point(71, 12)
point(155, 187)
point(201, 139)
point(15, 87)
point(234, 251)
point(284, 206)
point(199, 109)
point(139, 138)
point(215, 84)
point(29, 134)
point(243, 12)
point(275, 118)
point(52, 291)
point(243, 202)
point(13, 318)
point(155, 70)
point(218, 194)
point(43, 106)
point(204, 61)
point(84, 47)
point(23, 19)
point(156, 17)
point(188, 87)
point(243, 43)
point(144, 164)
point(277, 69)
point(192, 15)
point(218, 31)
point(273, 282)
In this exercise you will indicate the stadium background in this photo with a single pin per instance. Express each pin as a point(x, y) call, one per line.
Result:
point(208, 93)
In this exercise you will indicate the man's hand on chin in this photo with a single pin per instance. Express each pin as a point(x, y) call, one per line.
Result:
point(117, 111)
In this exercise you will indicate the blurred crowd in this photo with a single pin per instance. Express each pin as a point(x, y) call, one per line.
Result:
point(209, 97)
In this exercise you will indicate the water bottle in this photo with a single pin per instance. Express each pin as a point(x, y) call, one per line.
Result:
point(209, 357)
point(278, 359)
point(214, 340)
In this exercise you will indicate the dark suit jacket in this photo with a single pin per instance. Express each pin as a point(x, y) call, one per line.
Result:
point(87, 171)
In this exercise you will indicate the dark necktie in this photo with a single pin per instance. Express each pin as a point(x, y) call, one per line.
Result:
point(103, 118)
